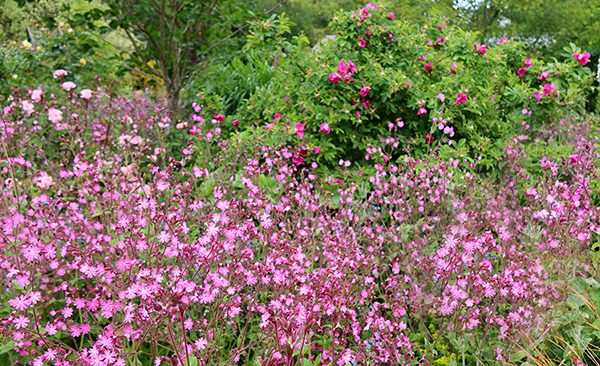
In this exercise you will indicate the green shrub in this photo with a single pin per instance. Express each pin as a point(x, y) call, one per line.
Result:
point(408, 68)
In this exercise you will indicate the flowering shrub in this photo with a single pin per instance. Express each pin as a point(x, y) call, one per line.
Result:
point(447, 91)
point(26, 65)
point(118, 249)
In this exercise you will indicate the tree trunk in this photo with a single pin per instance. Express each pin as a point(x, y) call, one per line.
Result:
point(172, 91)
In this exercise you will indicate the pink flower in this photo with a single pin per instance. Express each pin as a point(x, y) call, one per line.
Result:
point(583, 59)
point(548, 88)
point(521, 72)
point(439, 41)
point(342, 68)
point(502, 40)
point(54, 115)
point(86, 94)
point(27, 107)
point(59, 73)
point(364, 11)
point(544, 75)
point(44, 181)
point(537, 96)
point(528, 63)
point(480, 48)
point(286, 99)
point(573, 159)
point(36, 95)
point(441, 97)
point(365, 90)
point(421, 111)
point(317, 149)
point(335, 77)
point(391, 16)
point(452, 71)
point(461, 98)
point(325, 128)
point(218, 117)
point(269, 127)
point(363, 43)
point(300, 130)
point(428, 66)
point(371, 6)
point(276, 117)
point(69, 85)
point(235, 123)
point(351, 66)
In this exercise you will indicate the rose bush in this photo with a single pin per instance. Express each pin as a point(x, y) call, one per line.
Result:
point(450, 94)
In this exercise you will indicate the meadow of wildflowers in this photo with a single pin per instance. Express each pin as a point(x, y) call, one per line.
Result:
point(131, 237)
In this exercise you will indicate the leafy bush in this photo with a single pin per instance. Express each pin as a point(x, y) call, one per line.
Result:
point(450, 94)
point(28, 66)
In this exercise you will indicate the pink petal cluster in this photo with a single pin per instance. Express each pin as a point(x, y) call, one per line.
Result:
point(68, 85)
point(582, 58)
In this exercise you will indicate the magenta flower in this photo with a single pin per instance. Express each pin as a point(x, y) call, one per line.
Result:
point(219, 117)
point(335, 77)
point(583, 59)
point(521, 72)
point(371, 6)
point(286, 99)
point(548, 89)
point(439, 41)
point(502, 40)
point(317, 149)
point(528, 63)
point(365, 90)
point(421, 111)
point(363, 43)
point(452, 71)
point(544, 75)
point(276, 117)
point(342, 68)
point(235, 123)
point(300, 130)
point(480, 48)
point(391, 16)
point(537, 96)
point(325, 128)
point(461, 98)
point(269, 127)
point(573, 159)
point(364, 11)
point(428, 66)
point(351, 66)
point(429, 139)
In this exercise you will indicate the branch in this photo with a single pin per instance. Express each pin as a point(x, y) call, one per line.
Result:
point(239, 30)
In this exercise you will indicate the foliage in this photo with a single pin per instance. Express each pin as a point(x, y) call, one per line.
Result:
point(28, 66)
point(450, 95)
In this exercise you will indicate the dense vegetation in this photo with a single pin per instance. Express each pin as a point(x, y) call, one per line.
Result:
point(185, 184)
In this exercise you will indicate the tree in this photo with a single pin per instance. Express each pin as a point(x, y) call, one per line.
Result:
point(177, 35)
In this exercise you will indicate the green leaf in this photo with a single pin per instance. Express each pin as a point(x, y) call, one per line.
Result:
point(575, 302)
point(7, 347)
